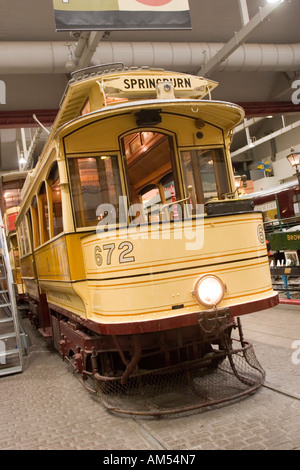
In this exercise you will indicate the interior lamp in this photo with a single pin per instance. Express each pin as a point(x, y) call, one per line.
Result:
point(294, 160)
point(22, 160)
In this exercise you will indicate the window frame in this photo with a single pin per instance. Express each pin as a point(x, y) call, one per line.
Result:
point(174, 159)
point(44, 230)
point(123, 187)
point(24, 236)
point(49, 188)
point(35, 222)
point(199, 196)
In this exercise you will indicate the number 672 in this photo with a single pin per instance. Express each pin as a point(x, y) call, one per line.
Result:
point(106, 253)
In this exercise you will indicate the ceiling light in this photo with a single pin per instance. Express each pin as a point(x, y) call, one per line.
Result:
point(294, 158)
point(22, 160)
point(274, 1)
point(252, 141)
point(70, 65)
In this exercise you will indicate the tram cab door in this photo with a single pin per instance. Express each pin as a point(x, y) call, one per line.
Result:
point(151, 176)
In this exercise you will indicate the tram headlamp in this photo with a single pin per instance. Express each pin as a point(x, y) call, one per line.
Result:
point(209, 290)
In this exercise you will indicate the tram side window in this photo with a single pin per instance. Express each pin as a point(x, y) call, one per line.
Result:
point(26, 236)
point(21, 239)
point(15, 250)
point(96, 187)
point(205, 170)
point(35, 222)
point(43, 214)
point(296, 204)
point(54, 182)
point(29, 230)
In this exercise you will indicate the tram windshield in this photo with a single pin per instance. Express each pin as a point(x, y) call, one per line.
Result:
point(205, 170)
point(152, 177)
point(151, 174)
point(95, 182)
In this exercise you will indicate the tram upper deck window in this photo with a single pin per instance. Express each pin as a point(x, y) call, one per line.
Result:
point(95, 181)
point(205, 170)
point(151, 173)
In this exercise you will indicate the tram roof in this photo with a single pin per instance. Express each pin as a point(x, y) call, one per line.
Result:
point(106, 88)
point(185, 100)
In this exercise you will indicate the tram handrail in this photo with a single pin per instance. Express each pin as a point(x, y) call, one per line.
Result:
point(275, 225)
point(190, 190)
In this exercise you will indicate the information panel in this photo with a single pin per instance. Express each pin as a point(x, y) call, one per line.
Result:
point(114, 15)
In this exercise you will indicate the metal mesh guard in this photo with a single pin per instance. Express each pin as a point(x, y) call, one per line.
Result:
point(218, 378)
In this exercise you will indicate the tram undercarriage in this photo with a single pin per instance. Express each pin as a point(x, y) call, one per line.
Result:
point(166, 372)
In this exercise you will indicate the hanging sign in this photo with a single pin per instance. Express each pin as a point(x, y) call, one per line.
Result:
point(114, 15)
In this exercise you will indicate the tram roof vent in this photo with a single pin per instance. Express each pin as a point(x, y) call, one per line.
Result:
point(102, 68)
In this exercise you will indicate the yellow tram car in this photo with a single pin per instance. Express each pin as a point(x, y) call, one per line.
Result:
point(11, 184)
point(135, 246)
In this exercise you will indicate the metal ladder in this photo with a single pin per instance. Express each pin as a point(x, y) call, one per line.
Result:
point(11, 349)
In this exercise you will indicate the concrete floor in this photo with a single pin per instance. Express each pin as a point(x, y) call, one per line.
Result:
point(46, 407)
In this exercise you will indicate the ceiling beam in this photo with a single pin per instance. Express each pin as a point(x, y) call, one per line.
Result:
point(90, 45)
point(267, 108)
point(239, 37)
point(24, 118)
point(244, 11)
point(247, 123)
point(268, 137)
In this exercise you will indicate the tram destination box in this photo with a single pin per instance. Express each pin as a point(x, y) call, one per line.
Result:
point(230, 206)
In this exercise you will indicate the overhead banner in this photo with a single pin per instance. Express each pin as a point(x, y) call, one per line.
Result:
point(116, 15)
